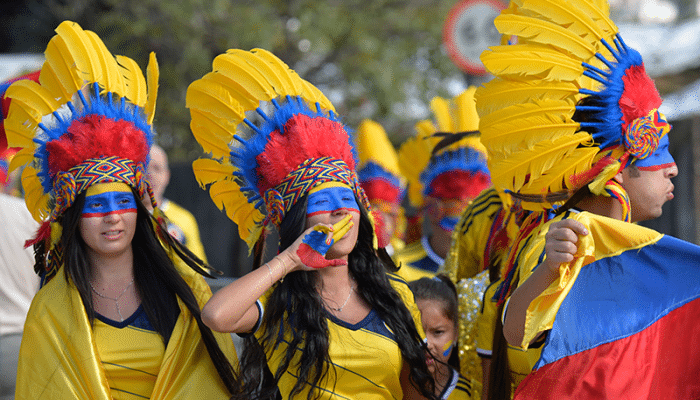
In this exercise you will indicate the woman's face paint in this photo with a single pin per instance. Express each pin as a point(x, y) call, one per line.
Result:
point(331, 198)
point(101, 204)
point(328, 204)
point(108, 222)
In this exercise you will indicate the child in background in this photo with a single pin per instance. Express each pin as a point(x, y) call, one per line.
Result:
point(436, 299)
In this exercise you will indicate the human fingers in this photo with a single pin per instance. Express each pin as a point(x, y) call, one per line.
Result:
point(343, 229)
point(571, 224)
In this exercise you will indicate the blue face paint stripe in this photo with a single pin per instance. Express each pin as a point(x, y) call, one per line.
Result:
point(331, 199)
point(102, 204)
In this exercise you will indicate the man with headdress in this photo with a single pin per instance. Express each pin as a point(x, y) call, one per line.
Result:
point(573, 131)
point(446, 168)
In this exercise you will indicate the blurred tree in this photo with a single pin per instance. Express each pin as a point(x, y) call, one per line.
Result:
point(379, 59)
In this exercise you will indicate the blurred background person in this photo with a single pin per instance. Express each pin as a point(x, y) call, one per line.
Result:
point(181, 223)
point(446, 168)
point(381, 179)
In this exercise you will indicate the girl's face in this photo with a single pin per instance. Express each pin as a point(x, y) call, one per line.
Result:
point(108, 220)
point(440, 331)
point(328, 203)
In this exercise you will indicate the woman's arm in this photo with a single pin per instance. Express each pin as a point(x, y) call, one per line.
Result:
point(560, 247)
point(232, 308)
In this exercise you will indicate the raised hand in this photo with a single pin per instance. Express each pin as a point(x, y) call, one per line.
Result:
point(316, 242)
point(561, 242)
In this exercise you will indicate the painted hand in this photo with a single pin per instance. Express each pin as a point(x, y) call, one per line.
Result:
point(316, 243)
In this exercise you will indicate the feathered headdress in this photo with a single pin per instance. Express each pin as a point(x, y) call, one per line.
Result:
point(7, 153)
point(450, 153)
point(570, 104)
point(87, 121)
point(294, 145)
point(378, 169)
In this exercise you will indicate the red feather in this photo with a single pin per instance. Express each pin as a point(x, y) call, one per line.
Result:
point(639, 96)
point(305, 137)
point(96, 136)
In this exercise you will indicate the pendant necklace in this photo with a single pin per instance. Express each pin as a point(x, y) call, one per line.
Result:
point(116, 299)
point(352, 289)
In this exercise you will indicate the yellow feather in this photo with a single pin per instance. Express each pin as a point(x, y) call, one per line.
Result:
point(512, 172)
point(373, 145)
point(152, 75)
point(414, 156)
point(112, 78)
point(227, 194)
point(313, 95)
point(525, 60)
point(524, 110)
point(441, 111)
point(545, 32)
point(209, 96)
point(558, 177)
point(134, 80)
point(208, 171)
point(467, 117)
point(244, 82)
point(529, 124)
point(500, 93)
point(564, 13)
point(279, 83)
point(81, 50)
point(58, 58)
point(30, 102)
point(50, 79)
point(294, 87)
point(207, 130)
point(22, 157)
point(37, 202)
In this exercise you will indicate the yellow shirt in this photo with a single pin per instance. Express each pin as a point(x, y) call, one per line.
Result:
point(131, 353)
point(417, 260)
point(366, 359)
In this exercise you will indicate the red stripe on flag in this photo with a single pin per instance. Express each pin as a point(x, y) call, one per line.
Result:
point(660, 362)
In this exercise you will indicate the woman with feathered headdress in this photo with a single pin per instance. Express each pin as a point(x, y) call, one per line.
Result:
point(118, 315)
point(324, 319)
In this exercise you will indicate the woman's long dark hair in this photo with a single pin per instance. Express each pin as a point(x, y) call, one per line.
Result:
point(157, 281)
point(306, 318)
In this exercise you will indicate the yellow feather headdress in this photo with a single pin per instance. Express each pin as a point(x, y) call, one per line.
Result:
point(263, 162)
point(544, 142)
point(419, 159)
point(378, 164)
point(87, 121)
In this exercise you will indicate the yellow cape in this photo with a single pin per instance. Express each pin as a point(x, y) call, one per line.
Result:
point(59, 360)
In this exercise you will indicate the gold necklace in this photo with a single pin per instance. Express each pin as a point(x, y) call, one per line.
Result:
point(116, 299)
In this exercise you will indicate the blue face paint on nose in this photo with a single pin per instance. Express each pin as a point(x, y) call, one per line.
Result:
point(331, 199)
point(99, 205)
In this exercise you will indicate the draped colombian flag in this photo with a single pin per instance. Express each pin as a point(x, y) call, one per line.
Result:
point(624, 319)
